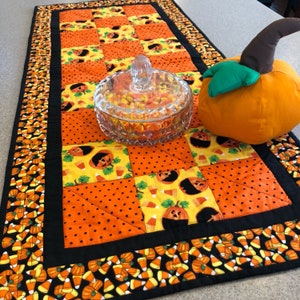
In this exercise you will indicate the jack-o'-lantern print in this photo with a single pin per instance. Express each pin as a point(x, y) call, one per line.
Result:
point(81, 52)
point(84, 24)
point(79, 88)
point(200, 139)
point(193, 185)
point(65, 27)
point(188, 79)
point(110, 67)
point(77, 61)
point(117, 65)
point(113, 35)
point(208, 214)
point(193, 79)
point(108, 12)
point(156, 47)
point(101, 159)
point(167, 177)
point(145, 19)
point(116, 9)
point(80, 150)
point(66, 105)
point(174, 44)
point(175, 214)
point(228, 142)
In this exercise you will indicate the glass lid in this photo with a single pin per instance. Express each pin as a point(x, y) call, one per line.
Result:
point(142, 93)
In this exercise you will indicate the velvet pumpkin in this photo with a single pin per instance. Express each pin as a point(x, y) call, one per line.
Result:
point(259, 112)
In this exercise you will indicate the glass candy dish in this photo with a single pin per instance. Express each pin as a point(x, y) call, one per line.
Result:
point(143, 106)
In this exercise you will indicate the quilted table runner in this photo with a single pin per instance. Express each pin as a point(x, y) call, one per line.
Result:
point(85, 217)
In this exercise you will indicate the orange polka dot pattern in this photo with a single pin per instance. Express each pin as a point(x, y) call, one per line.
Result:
point(80, 127)
point(94, 218)
point(171, 266)
point(250, 187)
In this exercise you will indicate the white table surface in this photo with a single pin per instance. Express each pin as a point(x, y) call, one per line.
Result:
point(231, 25)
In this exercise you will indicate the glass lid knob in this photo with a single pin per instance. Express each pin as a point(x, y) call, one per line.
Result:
point(141, 73)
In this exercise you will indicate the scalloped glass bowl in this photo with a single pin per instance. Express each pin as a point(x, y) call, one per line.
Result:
point(147, 110)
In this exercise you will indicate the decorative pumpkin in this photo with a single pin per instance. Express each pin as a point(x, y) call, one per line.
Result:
point(253, 98)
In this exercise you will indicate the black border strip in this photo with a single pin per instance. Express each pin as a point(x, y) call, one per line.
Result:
point(53, 221)
point(54, 251)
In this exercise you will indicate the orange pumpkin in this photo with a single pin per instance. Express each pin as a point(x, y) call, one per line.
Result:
point(78, 269)
point(263, 110)
point(175, 215)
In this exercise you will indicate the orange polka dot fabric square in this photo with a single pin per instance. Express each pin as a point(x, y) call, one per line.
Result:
point(80, 127)
point(92, 218)
point(77, 38)
point(244, 187)
point(153, 31)
point(114, 22)
point(81, 72)
point(173, 62)
point(122, 49)
point(75, 15)
point(137, 10)
point(162, 157)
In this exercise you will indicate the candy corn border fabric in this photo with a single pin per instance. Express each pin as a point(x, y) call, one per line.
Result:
point(39, 261)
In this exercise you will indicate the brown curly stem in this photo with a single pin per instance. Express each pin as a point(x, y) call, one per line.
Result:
point(259, 54)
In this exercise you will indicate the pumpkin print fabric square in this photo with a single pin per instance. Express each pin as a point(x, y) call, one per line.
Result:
point(193, 78)
point(209, 149)
point(145, 19)
point(78, 95)
point(161, 46)
point(81, 54)
point(108, 12)
point(117, 33)
point(119, 64)
point(77, 25)
point(94, 162)
point(176, 198)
